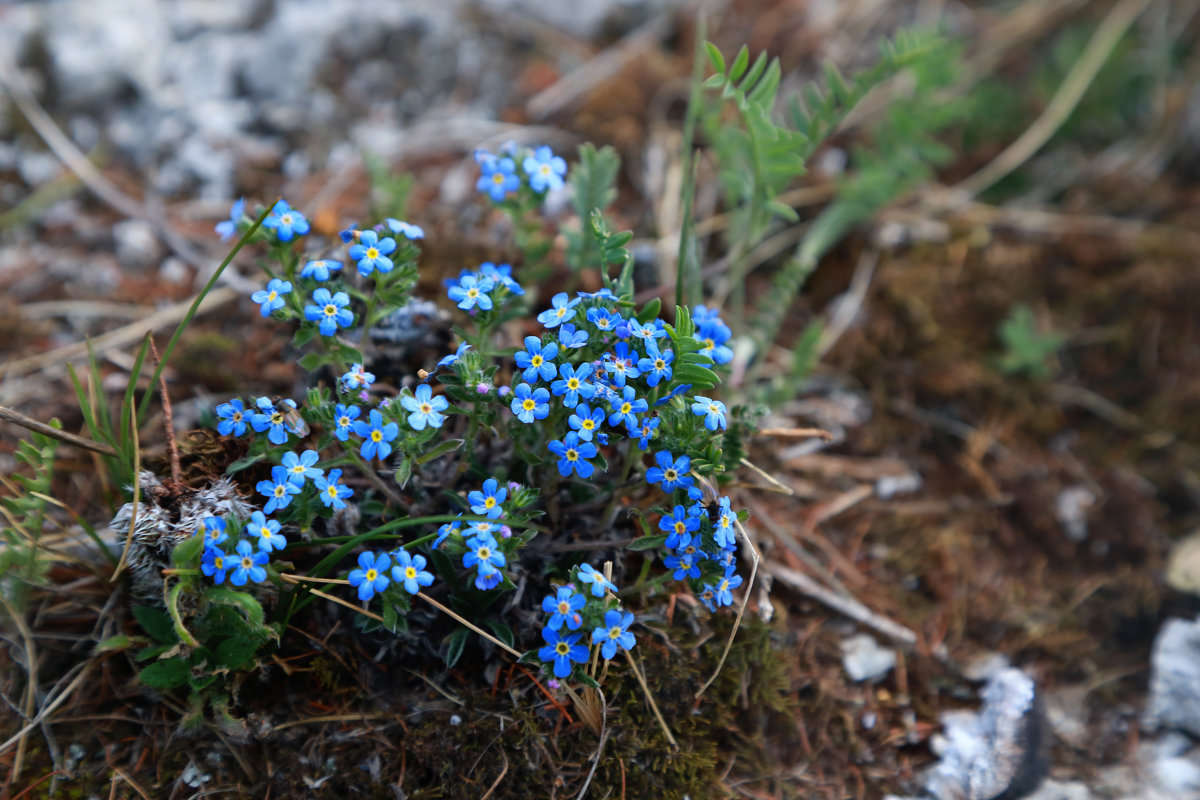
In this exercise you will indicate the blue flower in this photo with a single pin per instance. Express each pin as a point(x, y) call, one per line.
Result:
point(488, 581)
point(248, 565)
point(410, 571)
point(573, 455)
point(471, 292)
point(357, 377)
point(656, 366)
point(321, 269)
point(300, 467)
point(271, 419)
point(376, 435)
point(564, 609)
point(455, 356)
point(586, 421)
point(425, 408)
point(371, 575)
point(621, 364)
point(405, 229)
point(233, 418)
point(678, 390)
point(713, 333)
point(286, 222)
point(707, 595)
point(573, 384)
point(343, 418)
point(562, 650)
point(626, 408)
point(648, 332)
point(545, 170)
point(571, 338)
point(530, 404)
point(730, 581)
point(679, 526)
point(614, 633)
point(332, 493)
point(671, 472)
point(488, 502)
point(603, 319)
point(684, 565)
point(444, 532)
point(723, 531)
point(267, 531)
point(481, 551)
point(371, 253)
point(330, 311)
point(214, 531)
point(713, 412)
point(271, 297)
point(279, 490)
point(213, 564)
point(646, 432)
point(536, 360)
point(228, 228)
point(561, 310)
point(501, 274)
point(600, 584)
point(498, 177)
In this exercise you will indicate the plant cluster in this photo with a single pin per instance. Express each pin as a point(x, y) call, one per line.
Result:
point(600, 400)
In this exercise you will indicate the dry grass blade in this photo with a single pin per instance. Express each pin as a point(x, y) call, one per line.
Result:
point(844, 604)
point(17, 418)
point(737, 621)
point(1065, 100)
point(137, 493)
point(31, 668)
point(50, 707)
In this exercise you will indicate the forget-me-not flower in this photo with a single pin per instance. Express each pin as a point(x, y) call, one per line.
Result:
point(713, 412)
point(614, 633)
point(471, 291)
point(376, 435)
point(563, 608)
point(232, 418)
point(498, 177)
point(586, 421)
point(300, 467)
point(545, 170)
point(410, 571)
point(343, 420)
point(488, 501)
point(266, 531)
point(570, 337)
point(286, 222)
point(371, 576)
point(320, 269)
point(329, 311)
point(537, 360)
point(271, 298)
point(573, 384)
point(562, 309)
point(405, 229)
point(279, 490)
point(600, 584)
point(530, 404)
point(426, 409)
point(228, 228)
point(562, 650)
point(671, 472)
point(332, 492)
point(371, 253)
point(573, 454)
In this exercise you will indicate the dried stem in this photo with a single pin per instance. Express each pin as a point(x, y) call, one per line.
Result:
point(168, 425)
point(137, 493)
point(17, 418)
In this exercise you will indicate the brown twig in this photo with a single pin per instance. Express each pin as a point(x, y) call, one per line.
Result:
point(17, 418)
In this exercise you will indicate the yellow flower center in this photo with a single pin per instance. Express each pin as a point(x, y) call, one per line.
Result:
point(573, 383)
point(564, 607)
point(410, 572)
point(372, 253)
point(332, 491)
point(528, 404)
point(670, 475)
point(680, 527)
point(489, 502)
point(276, 418)
point(562, 648)
point(343, 422)
point(709, 344)
point(537, 361)
point(571, 455)
point(247, 562)
point(219, 562)
point(272, 295)
point(545, 169)
point(376, 436)
point(659, 363)
point(331, 310)
point(614, 632)
point(484, 553)
point(372, 575)
point(497, 178)
point(626, 407)
point(285, 219)
point(588, 424)
point(237, 416)
point(280, 491)
point(426, 408)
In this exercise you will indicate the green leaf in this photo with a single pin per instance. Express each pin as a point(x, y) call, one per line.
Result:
point(241, 601)
point(403, 472)
point(244, 463)
point(114, 643)
point(647, 542)
point(156, 623)
point(455, 643)
point(502, 631)
point(448, 446)
point(304, 335)
point(714, 55)
point(236, 651)
point(650, 310)
point(186, 554)
point(169, 673)
point(740, 62)
point(309, 362)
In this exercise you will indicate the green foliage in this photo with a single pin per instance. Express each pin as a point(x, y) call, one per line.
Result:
point(1026, 350)
point(24, 517)
point(593, 181)
point(903, 150)
point(389, 191)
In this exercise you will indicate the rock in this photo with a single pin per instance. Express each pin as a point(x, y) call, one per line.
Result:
point(864, 660)
point(1062, 790)
point(137, 243)
point(1071, 509)
point(1174, 700)
point(1183, 565)
point(999, 752)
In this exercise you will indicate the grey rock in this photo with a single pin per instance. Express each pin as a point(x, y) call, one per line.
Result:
point(136, 243)
point(1174, 700)
point(998, 752)
point(864, 659)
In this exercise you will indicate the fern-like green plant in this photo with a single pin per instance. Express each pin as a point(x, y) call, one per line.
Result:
point(1026, 349)
point(593, 181)
point(24, 518)
point(758, 157)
